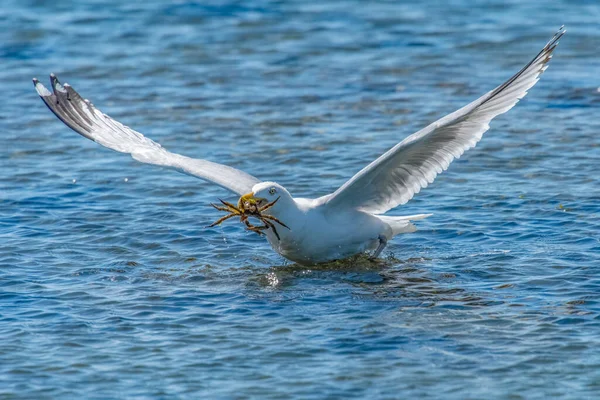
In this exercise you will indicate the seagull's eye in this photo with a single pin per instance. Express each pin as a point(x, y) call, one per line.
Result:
point(272, 191)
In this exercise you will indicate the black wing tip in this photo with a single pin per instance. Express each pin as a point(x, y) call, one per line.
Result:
point(551, 45)
point(41, 89)
point(55, 83)
point(561, 31)
point(557, 36)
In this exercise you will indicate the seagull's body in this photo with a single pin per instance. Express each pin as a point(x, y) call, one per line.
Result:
point(317, 234)
point(349, 220)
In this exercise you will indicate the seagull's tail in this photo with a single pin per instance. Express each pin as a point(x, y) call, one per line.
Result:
point(402, 224)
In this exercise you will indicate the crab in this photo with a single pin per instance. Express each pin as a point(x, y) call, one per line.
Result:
point(248, 207)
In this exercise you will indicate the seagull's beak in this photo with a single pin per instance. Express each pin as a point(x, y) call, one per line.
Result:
point(249, 199)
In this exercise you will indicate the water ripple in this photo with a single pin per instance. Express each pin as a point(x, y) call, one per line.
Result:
point(112, 286)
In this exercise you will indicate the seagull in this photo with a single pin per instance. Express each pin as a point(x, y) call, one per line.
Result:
point(348, 221)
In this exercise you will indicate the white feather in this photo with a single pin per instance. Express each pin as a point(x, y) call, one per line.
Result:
point(81, 116)
point(395, 177)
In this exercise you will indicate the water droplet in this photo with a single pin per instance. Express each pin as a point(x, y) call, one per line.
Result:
point(272, 279)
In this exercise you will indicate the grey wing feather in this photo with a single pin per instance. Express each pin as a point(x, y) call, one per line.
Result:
point(396, 176)
point(81, 116)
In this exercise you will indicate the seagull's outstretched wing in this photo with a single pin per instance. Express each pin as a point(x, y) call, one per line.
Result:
point(395, 177)
point(81, 116)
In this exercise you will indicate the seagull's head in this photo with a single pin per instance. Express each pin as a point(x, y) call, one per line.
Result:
point(265, 193)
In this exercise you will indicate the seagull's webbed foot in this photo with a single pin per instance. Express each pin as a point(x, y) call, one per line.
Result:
point(382, 244)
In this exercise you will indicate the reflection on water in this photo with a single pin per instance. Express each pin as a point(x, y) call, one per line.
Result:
point(390, 279)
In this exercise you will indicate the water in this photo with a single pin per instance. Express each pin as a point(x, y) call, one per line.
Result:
point(111, 286)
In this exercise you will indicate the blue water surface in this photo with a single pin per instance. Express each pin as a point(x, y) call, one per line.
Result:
point(111, 286)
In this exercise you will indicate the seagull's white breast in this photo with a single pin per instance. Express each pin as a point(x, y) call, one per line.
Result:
point(316, 235)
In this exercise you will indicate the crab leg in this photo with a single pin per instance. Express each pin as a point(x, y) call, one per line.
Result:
point(244, 219)
point(272, 226)
point(257, 229)
point(224, 209)
point(217, 222)
point(244, 214)
point(267, 206)
point(274, 219)
point(231, 206)
point(252, 228)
